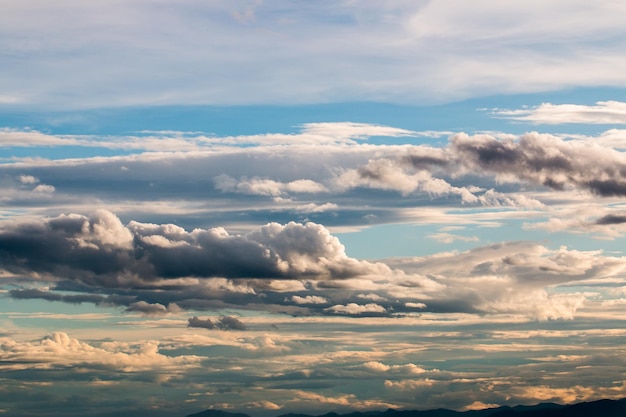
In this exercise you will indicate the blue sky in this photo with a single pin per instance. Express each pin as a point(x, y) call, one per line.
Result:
point(276, 207)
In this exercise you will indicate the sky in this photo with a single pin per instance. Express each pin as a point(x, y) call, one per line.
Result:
point(297, 206)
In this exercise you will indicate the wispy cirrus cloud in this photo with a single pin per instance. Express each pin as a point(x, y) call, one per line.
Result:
point(416, 53)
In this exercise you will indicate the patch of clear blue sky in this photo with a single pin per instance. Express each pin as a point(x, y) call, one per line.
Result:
point(41, 313)
point(413, 239)
point(466, 116)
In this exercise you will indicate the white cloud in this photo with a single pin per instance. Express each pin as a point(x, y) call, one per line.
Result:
point(415, 305)
point(604, 112)
point(44, 188)
point(398, 52)
point(371, 297)
point(59, 349)
point(349, 130)
point(28, 179)
point(356, 309)
point(595, 220)
point(267, 405)
point(266, 187)
point(407, 369)
point(309, 299)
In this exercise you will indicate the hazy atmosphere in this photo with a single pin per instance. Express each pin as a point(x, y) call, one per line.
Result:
point(310, 206)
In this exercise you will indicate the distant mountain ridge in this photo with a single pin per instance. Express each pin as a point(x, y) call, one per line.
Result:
point(600, 408)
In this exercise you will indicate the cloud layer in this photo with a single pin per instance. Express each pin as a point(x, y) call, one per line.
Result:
point(300, 269)
point(151, 53)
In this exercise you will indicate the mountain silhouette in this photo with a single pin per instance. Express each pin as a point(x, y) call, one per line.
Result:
point(217, 413)
point(600, 408)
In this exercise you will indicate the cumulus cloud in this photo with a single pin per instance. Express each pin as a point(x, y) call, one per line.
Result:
point(407, 369)
point(413, 174)
point(154, 309)
point(265, 187)
point(309, 299)
point(100, 250)
point(230, 323)
point(28, 179)
point(357, 309)
point(388, 174)
point(197, 322)
point(60, 349)
point(512, 277)
point(44, 188)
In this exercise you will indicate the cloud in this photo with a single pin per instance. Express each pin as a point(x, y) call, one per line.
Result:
point(604, 112)
point(324, 133)
point(154, 309)
point(230, 323)
point(349, 130)
point(611, 219)
point(28, 179)
point(405, 57)
point(461, 174)
point(409, 175)
point(544, 160)
point(267, 405)
point(600, 222)
point(201, 323)
point(266, 187)
point(512, 277)
point(408, 369)
point(44, 188)
point(100, 250)
point(357, 309)
point(60, 350)
point(222, 323)
point(309, 299)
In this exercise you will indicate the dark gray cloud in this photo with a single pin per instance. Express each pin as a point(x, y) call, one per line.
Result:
point(197, 322)
point(34, 293)
point(610, 219)
point(222, 323)
point(152, 309)
point(230, 323)
point(99, 250)
point(544, 160)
